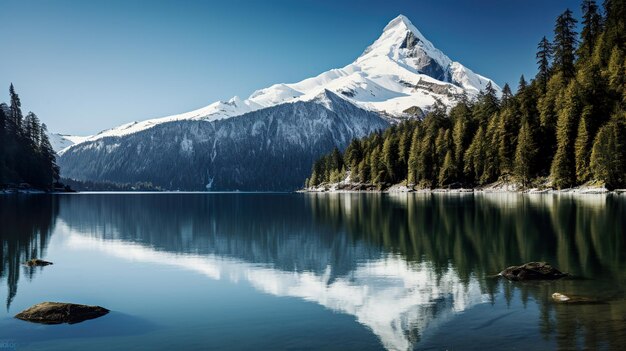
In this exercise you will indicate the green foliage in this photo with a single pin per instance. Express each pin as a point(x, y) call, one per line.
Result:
point(565, 43)
point(26, 155)
point(583, 148)
point(544, 59)
point(563, 168)
point(608, 157)
point(525, 154)
point(567, 123)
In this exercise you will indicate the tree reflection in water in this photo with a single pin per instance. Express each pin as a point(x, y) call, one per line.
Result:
point(26, 225)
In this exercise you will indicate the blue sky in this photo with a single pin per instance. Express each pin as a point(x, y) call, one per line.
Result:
point(84, 66)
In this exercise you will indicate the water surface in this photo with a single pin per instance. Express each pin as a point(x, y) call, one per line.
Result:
point(313, 271)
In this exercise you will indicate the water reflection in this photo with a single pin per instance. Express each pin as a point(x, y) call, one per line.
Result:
point(402, 265)
point(26, 226)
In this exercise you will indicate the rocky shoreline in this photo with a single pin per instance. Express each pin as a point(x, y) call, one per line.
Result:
point(499, 187)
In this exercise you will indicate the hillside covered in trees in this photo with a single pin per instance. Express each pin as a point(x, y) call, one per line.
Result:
point(566, 127)
point(26, 155)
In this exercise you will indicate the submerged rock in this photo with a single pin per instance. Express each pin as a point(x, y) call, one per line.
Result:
point(59, 312)
point(532, 271)
point(35, 262)
point(573, 299)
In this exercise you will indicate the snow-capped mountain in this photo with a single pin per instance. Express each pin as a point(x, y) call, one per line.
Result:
point(400, 70)
point(62, 141)
point(269, 141)
point(267, 149)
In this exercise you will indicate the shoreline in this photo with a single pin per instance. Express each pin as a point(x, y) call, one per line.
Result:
point(339, 188)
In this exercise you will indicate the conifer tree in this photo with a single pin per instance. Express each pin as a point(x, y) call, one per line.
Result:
point(616, 72)
point(608, 156)
point(544, 58)
point(525, 154)
point(390, 158)
point(475, 156)
point(16, 112)
point(592, 22)
point(461, 135)
point(563, 166)
point(487, 104)
point(582, 148)
point(448, 170)
point(376, 166)
point(615, 25)
point(565, 44)
point(412, 176)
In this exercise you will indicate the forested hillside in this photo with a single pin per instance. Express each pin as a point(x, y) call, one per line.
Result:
point(565, 127)
point(26, 155)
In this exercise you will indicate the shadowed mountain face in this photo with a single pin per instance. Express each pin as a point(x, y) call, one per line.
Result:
point(269, 149)
point(408, 267)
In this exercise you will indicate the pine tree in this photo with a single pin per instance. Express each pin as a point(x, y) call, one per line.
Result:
point(616, 72)
point(493, 138)
point(15, 118)
point(615, 24)
point(544, 58)
point(507, 95)
point(52, 171)
point(582, 148)
point(507, 141)
point(608, 156)
point(565, 44)
point(525, 154)
point(448, 170)
point(549, 105)
point(487, 104)
point(412, 176)
point(475, 156)
point(461, 135)
point(563, 166)
point(592, 24)
point(390, 159)
point(377, 168)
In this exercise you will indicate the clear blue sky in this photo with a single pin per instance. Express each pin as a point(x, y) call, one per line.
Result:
point(84, 66)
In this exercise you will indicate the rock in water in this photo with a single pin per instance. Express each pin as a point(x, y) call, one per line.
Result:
point(59, 312)
point(572, 299)
point(532, 271)
point(35, 262)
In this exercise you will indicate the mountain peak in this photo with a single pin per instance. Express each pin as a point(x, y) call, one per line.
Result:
point(401, 21)
point(403, 43)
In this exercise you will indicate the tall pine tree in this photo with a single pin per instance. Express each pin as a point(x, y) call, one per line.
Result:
point(565, 44)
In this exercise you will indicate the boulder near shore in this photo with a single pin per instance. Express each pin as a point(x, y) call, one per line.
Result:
point(60, 312)
point(532, 271)
point(576, 300)
point(35, 262)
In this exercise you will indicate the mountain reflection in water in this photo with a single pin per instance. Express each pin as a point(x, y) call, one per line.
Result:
point(402, 265)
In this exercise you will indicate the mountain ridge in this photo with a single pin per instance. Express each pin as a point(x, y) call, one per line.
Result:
point(267, 149)
point(399, 71)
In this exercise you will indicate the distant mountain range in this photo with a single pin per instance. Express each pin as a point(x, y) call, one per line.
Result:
point(269, 141)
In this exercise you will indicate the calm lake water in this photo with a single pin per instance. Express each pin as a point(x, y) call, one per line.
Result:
point(307, 271)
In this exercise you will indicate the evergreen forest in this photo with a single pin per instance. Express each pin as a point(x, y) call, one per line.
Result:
point(563, 128)
point(26, 156)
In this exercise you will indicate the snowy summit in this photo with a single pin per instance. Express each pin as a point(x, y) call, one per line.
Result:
point(400, 74)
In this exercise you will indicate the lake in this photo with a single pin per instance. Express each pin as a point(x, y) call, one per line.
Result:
point(313, 271)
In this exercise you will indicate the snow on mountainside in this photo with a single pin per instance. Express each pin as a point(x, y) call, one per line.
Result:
point(62, 141)
point(400, 70)
point(267, 149)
